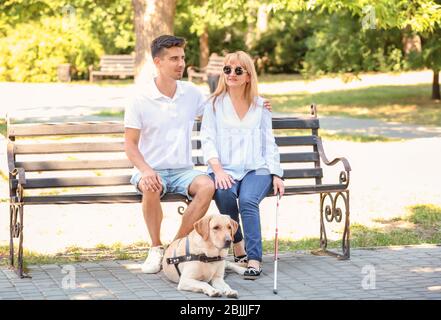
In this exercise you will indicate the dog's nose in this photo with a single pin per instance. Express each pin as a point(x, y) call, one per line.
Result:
point(227, 243)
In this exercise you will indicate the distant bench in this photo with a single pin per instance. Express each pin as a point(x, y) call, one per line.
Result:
point(63, 169)
point(114, 65)
point(214, 66)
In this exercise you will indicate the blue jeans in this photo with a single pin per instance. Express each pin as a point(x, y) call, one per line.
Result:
point(250, 191)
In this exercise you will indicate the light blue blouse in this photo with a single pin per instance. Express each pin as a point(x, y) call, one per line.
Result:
point(240, 145)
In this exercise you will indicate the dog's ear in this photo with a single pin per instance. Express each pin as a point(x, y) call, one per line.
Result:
point(234, 227)
point(202, 226)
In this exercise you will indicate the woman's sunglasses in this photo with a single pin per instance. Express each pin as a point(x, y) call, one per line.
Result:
point(238, 70)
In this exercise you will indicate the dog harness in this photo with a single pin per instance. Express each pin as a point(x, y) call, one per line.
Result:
point(190, 257)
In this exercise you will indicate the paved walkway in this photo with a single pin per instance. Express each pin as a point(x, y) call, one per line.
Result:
point(387, 273)
point(372, 127)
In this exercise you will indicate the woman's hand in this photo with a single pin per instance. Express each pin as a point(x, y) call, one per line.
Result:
point(278, 186)
point(222, 180)
point(267, 105)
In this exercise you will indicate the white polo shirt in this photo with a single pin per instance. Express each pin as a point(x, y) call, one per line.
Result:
point(166, 124)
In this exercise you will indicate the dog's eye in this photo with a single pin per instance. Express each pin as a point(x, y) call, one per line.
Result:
point(216, 228)
point(229, 227)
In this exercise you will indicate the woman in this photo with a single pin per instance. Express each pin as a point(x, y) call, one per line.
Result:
point(241, 153)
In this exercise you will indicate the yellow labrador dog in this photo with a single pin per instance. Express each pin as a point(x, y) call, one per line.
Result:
point(197, 262)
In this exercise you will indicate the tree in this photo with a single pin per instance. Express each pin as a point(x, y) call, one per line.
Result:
point(420, 16)
point(152, 19)
point(208, 17)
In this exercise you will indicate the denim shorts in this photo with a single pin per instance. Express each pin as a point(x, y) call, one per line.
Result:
point(173, 180)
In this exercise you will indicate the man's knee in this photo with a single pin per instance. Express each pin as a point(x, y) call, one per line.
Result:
point(203, 185)
point(151, 195)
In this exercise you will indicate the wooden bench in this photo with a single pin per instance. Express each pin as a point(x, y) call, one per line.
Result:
point(214, 66)
point(42, 163)
point(114, 65)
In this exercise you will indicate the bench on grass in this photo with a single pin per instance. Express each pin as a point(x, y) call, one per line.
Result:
point(122, 66)
point(214, 66)
point(89, 166)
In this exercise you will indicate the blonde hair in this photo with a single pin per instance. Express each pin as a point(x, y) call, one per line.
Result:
point(247, 63)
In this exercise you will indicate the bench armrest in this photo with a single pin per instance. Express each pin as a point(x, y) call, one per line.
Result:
point(344, 175)
point(13, 170)
point(21, 175)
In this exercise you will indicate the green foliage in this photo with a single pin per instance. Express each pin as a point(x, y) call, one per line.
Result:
point(224, 22)
point(42, 47)
point(426, 215)
point(37, 36)
point(285, 42)
point(339, 44)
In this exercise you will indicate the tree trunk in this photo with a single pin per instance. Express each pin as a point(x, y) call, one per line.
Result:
point(152, 19)
point(204, 50)
point(436, 94)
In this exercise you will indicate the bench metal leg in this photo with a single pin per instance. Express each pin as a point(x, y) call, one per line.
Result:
point(16, 231)
point(181, 209)
point(330, 213)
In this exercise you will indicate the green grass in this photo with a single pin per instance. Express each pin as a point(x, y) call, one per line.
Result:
point(326, 135)
point(3, 127)
point(402, 104)
point(422, 225)
point(110, 113)
point(272, 78)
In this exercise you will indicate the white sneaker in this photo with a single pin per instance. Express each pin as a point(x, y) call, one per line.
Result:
point(154, 260)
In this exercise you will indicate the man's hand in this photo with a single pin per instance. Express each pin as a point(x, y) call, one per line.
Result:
point(150, 181)
point(267, 105)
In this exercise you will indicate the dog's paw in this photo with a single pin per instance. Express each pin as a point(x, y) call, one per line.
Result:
point(213, 292)
point(231, 293)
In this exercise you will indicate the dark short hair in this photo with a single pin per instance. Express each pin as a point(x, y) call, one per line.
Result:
point(166, 41)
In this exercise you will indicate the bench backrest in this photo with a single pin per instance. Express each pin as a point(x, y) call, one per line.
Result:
point(117, 63)
point(215, 64)
point(91, 154)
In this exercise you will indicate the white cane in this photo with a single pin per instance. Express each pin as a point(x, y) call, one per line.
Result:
point(276, 245)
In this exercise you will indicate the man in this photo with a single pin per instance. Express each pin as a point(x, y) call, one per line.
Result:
point(158, 125)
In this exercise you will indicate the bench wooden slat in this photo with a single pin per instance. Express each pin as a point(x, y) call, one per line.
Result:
point(299, 157)
point(134, 197)
point(283, 123)
point(74, 182)
point(295, 123)
point(125, 180)
point(80, 147)
point(129, 197)
point(75, 165)
point(303, 173)
point(292, 190)
point(32, 166)
point(15, 130)
point(73, 147)
point(124, 197)
point(77, 147)
point(296, 141)
point(68, 128)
